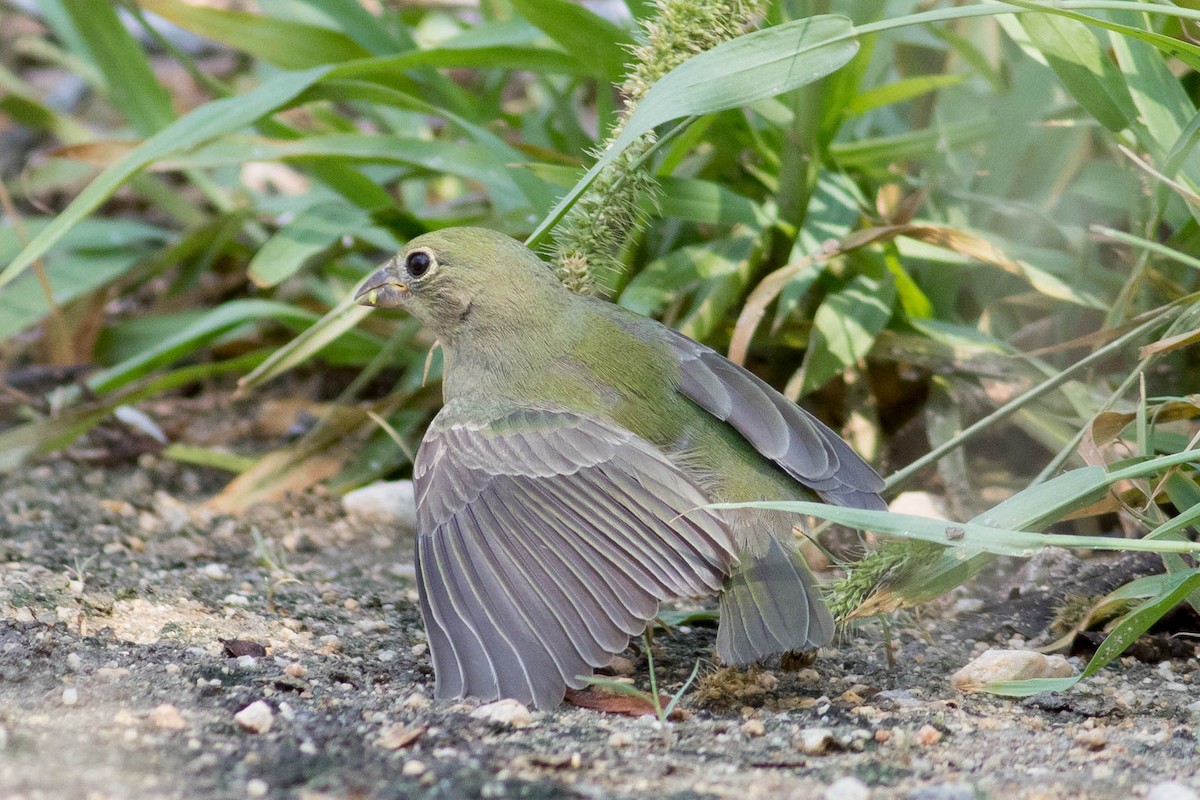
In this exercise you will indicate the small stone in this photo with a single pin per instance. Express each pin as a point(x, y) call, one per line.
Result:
point(386, 501)
point(808, 677)
point(620, 665)
point(847, 788)
point(70, 696)
point(512, 713)
point(167, 717)
point(968, 605)
point(239, 648)
point(235, 600)
point(944, 791)
point(816, 741)
point(395, 737)
point(620, 739)
point(74, 662)
point(753, 728)
point(416, 701)
point(295, 670)
point(123, 717)
point(386, 655)
point(372, 626)
point(1094, 739)
point(255, 718)
point(928, 736)
point(413, 768)
point(215, 572)
point(256, 787)
point(418, 650)
point(1172, 790)
point(1009, 665)
point(883, 735)
point(330, 643)
point(766, 680)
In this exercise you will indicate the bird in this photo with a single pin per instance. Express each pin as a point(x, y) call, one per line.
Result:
point(562, 489)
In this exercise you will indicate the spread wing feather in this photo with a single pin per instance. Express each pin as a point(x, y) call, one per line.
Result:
point(545, 540)
point(782, 431)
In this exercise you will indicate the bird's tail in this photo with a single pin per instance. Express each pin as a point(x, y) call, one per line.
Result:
point(770, 605)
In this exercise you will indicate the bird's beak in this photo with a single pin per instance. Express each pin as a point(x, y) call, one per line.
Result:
point(384, 289)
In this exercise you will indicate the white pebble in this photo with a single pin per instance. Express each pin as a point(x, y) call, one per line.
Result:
point(384, 501)
point(847, 788)
point(815, 741)
point(1009, 665)
point(256, 787)
point(216, 572)
point(413, 768)
point(255, 718)
point(235, 600)
point(1171, 790)
point(505, 712)
point(70, 696)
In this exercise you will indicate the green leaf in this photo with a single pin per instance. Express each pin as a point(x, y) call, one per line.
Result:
point(337, 321)
point(844, 329)
point(287, 44)
point(93, 254)
point(464, 159)
point(898, 92)
point(1185, 51)
point(127, 75)
point(881, 152)
point(209, 326)
point(714, 274)
point(1164, 107)
point(1075, 55)
point(310, 233)
point(503, 57)
point(967, 536)
point(749, 68)
point(361, 25)
point(706, 202)
point(204, 123)
point(594, 41)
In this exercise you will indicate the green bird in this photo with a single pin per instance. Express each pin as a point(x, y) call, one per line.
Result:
point(559, 490)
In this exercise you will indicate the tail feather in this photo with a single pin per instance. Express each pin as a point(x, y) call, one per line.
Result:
point(770, 605)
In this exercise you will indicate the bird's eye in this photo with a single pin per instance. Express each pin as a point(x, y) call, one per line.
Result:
point(418, 263)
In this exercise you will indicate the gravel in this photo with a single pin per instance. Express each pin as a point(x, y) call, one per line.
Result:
point(118, 614)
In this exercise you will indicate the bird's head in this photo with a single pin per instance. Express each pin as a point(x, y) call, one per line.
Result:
point(461, 278)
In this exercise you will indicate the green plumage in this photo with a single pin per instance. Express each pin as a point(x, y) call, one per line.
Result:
point(557, 488)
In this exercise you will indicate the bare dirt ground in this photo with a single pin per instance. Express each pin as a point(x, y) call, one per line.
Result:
point(117, 590)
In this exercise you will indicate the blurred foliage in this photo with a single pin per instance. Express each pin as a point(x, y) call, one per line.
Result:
point(936, 222)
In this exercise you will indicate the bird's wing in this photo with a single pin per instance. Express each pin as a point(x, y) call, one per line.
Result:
point(779, 429)
point(545, 540)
